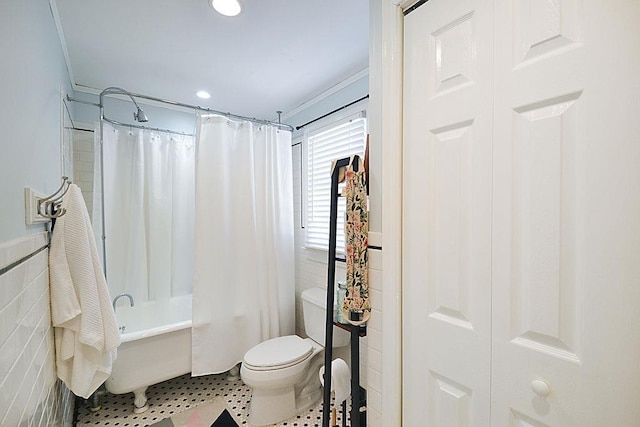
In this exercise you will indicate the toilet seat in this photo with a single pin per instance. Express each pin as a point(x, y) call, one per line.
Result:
point(278, 353)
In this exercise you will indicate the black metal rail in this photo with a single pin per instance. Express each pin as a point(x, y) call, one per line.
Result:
point(333, 111)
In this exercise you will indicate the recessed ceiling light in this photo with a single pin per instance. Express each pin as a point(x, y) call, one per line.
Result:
point(227, 7)
point(203, 94)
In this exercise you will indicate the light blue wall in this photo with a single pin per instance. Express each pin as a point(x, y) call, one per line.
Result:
point(32, 74)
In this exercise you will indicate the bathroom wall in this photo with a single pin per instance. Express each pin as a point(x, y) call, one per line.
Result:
point(33, 75)
point(83, 162)
point(29, 391)
point(31, 112)
point(311, 265)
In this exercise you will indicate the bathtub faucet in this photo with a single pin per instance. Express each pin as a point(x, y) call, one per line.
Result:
point(120, 296)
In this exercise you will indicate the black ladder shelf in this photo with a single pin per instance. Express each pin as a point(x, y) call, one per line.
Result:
point(358, 398)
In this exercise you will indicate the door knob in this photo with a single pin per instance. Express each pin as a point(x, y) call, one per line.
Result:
point(541, 388)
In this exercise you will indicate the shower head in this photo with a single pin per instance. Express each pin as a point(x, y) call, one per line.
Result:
point(140, 116)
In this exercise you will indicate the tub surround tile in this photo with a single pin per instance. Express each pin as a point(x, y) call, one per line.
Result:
point(83, 165)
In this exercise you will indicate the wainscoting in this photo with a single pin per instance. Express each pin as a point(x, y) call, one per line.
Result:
point(30, 394)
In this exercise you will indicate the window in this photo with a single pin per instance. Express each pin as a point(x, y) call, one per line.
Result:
point(337, 140)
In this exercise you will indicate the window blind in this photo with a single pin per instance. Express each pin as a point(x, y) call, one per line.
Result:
point(335, 141)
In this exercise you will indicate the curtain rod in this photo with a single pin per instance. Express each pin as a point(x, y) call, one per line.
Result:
point(131, 125)
point(334, 111)
point(414, 7)
point(193, 107)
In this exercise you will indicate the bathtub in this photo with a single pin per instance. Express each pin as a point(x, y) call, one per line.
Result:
point(156, 346)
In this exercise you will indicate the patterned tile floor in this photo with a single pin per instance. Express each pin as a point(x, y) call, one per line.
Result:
point(180, 394)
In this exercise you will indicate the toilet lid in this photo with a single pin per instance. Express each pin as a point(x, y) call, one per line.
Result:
point(278, 352)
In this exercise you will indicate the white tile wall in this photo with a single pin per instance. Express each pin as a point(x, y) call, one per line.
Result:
point(311, 270)
point(83, 153)
point(30, 395)
point(373, 349)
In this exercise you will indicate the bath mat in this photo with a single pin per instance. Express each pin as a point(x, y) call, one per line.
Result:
point(213, 413)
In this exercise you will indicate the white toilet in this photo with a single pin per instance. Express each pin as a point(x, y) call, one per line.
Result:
point(283, 372)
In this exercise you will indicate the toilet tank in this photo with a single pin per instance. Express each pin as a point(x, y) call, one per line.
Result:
point(314, 302)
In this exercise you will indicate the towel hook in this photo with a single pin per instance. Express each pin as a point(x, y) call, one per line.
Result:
point(50, 206)
point(65, 181)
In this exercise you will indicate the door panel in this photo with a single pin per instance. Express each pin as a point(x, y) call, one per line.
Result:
point(447, 217)
point(521, 214)
point(545, 301)
point(565, 198)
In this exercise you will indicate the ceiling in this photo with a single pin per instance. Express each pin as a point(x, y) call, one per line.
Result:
point(275, 55)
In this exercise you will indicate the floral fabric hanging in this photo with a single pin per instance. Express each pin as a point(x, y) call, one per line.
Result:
point(356, 307)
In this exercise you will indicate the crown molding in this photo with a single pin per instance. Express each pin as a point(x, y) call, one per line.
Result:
point(63, 42)
point(334, 89)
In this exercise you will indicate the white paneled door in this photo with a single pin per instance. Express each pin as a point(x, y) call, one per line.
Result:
point(447, 214)
point(521, 219)
point(566, 214)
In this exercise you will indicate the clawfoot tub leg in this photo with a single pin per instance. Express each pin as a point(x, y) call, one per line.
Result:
point(233, 373)
point(140, 400)
point(95, 402)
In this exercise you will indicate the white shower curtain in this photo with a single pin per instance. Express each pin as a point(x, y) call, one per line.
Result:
point(149, 212)
point(243, 290)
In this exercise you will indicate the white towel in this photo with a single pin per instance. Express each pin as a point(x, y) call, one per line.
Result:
point(85, 327)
